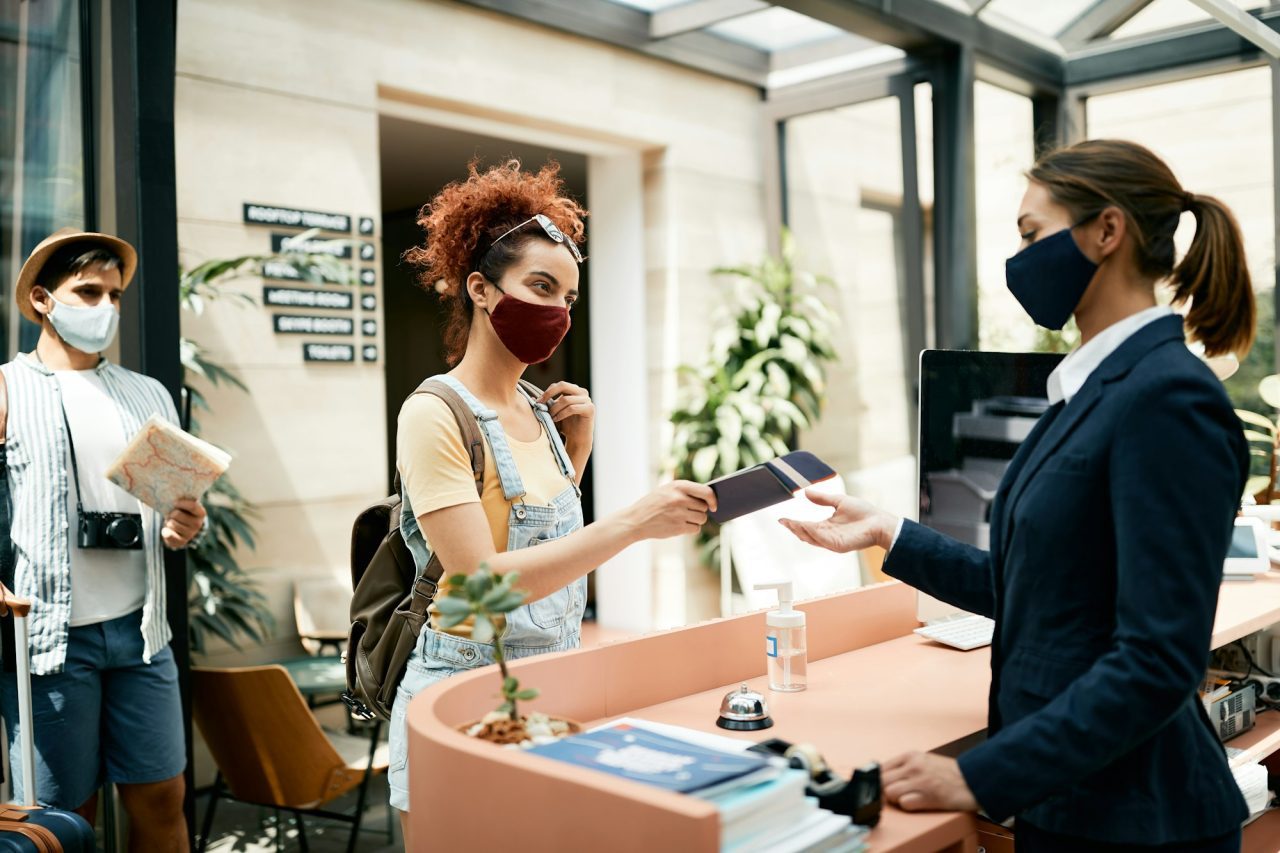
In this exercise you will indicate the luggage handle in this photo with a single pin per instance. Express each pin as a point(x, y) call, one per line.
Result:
point(21, 609)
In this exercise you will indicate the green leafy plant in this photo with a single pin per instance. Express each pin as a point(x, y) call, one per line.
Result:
point(1263, 434)
point(486, 597)
point(222, 598)
point(764, 378)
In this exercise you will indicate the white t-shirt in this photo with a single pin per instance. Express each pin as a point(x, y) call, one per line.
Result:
point(106, 583)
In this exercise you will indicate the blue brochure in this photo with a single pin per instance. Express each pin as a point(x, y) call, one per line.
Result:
point(654, 759)
point(766, 484)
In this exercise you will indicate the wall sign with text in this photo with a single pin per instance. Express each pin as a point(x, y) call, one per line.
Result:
point(306, 324)
point(313, 295)
point(264, 214)
point(296, 297)
point(314, 246)
point(337, 353)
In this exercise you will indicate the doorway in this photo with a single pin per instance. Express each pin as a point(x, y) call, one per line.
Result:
point(417, 161)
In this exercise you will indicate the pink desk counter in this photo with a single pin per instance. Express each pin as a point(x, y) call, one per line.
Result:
point(875, 690)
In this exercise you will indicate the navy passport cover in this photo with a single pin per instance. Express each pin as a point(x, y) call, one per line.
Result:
point(766, 484)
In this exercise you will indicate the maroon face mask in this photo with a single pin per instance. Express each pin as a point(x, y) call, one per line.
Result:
point(529, 330)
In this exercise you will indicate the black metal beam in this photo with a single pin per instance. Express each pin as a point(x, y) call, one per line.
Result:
point(1275, 201)
point(911, 252)
point(955, 236)
point(143, 47)
point(1047, 123)
point(1163, 52)
point(916, 24)
point(624, 26)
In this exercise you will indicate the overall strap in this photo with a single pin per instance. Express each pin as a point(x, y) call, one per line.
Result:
point(512, 486)
point(533, 393)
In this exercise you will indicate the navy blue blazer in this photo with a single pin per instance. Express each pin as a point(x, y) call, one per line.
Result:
point(1108, 534)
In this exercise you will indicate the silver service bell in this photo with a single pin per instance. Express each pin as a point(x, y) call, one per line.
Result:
point(744, 710)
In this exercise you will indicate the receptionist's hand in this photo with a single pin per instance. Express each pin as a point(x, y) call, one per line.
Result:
point(854, 525)
point(922, 781)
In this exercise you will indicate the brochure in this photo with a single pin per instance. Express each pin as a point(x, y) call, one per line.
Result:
point(655, 759)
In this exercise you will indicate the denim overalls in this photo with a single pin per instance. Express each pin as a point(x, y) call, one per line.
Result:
point(551, 624)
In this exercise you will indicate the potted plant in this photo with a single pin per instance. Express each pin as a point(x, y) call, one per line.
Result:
point(486, 597)
point(763, 380)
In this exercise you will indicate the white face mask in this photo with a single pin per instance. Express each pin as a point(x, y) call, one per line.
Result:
point(89, 330)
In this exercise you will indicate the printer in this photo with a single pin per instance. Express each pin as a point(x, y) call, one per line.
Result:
point(958, 500)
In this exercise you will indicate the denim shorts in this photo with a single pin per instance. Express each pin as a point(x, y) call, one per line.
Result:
point(107, 717)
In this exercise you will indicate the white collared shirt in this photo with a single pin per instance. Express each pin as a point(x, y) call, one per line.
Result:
point(1073, 371)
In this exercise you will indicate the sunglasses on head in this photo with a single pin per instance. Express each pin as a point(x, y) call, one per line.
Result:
point(551, 231)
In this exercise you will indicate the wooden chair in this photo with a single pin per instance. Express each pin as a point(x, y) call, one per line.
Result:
point(270, 749)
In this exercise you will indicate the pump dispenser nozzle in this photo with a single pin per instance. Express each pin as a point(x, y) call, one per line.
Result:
point(785, 641)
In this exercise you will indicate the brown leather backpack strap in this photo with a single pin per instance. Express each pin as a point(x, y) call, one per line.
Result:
point(471, 436)
point(424, 588)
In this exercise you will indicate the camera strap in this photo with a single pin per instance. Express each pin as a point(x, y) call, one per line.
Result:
point(75, 468)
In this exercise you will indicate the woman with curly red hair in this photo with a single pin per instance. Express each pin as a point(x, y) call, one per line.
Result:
point(502, 252)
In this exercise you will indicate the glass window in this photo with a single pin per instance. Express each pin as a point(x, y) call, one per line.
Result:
point(1004, 148)
point(1045, 18)
point(1164, 14)
point(1215, 133)
point(844, 203)
point(775, 29)
point(41, 144)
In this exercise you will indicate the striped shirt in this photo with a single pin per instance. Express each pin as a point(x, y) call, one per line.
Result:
point(37, 450)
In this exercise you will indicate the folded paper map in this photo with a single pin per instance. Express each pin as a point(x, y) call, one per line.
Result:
point(163, 464)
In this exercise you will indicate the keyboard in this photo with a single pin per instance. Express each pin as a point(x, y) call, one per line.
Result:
point(964, 633)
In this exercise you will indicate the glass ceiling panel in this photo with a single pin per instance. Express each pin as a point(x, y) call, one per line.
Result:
point(1045, 18)
point(1164, 14)
point(649, 5)
point(775, 29)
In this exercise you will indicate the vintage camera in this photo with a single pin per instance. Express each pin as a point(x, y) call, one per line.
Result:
point(120, 530)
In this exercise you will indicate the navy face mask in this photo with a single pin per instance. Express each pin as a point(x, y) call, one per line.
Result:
point(1049, 278)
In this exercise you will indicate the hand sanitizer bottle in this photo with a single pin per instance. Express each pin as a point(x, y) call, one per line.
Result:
point(785, 642)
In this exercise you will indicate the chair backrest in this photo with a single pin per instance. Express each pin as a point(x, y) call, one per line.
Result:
point(264, 739)
point(764, 551)
point(321, 609)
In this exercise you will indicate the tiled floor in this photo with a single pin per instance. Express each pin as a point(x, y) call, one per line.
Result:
point(249, 829)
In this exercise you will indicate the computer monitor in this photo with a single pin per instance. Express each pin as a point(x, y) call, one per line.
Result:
point(976, 408)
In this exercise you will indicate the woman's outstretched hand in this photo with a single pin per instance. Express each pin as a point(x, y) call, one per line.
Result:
point(855, 524)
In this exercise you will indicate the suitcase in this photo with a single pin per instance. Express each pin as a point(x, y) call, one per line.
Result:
point(27, 828)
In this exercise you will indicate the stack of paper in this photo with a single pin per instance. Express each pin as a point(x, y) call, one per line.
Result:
point(1252, 779)
point(762, 801)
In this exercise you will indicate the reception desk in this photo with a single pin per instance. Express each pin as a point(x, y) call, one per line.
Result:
point(875, 690)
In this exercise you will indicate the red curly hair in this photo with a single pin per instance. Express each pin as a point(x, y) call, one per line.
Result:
point(464, 219)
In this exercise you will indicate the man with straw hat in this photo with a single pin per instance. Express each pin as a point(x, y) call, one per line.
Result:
point(88, 554)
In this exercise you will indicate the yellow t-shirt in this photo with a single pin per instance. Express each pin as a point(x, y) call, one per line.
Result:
point(435, 468)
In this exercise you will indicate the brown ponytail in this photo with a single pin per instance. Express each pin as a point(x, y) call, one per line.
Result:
point(1213, 277)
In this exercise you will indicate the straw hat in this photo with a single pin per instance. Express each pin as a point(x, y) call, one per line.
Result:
point(40, 255)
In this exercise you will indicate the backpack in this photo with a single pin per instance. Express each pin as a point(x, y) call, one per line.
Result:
point(391, 598)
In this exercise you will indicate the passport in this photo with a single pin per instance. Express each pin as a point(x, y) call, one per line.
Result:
point(751, 489)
